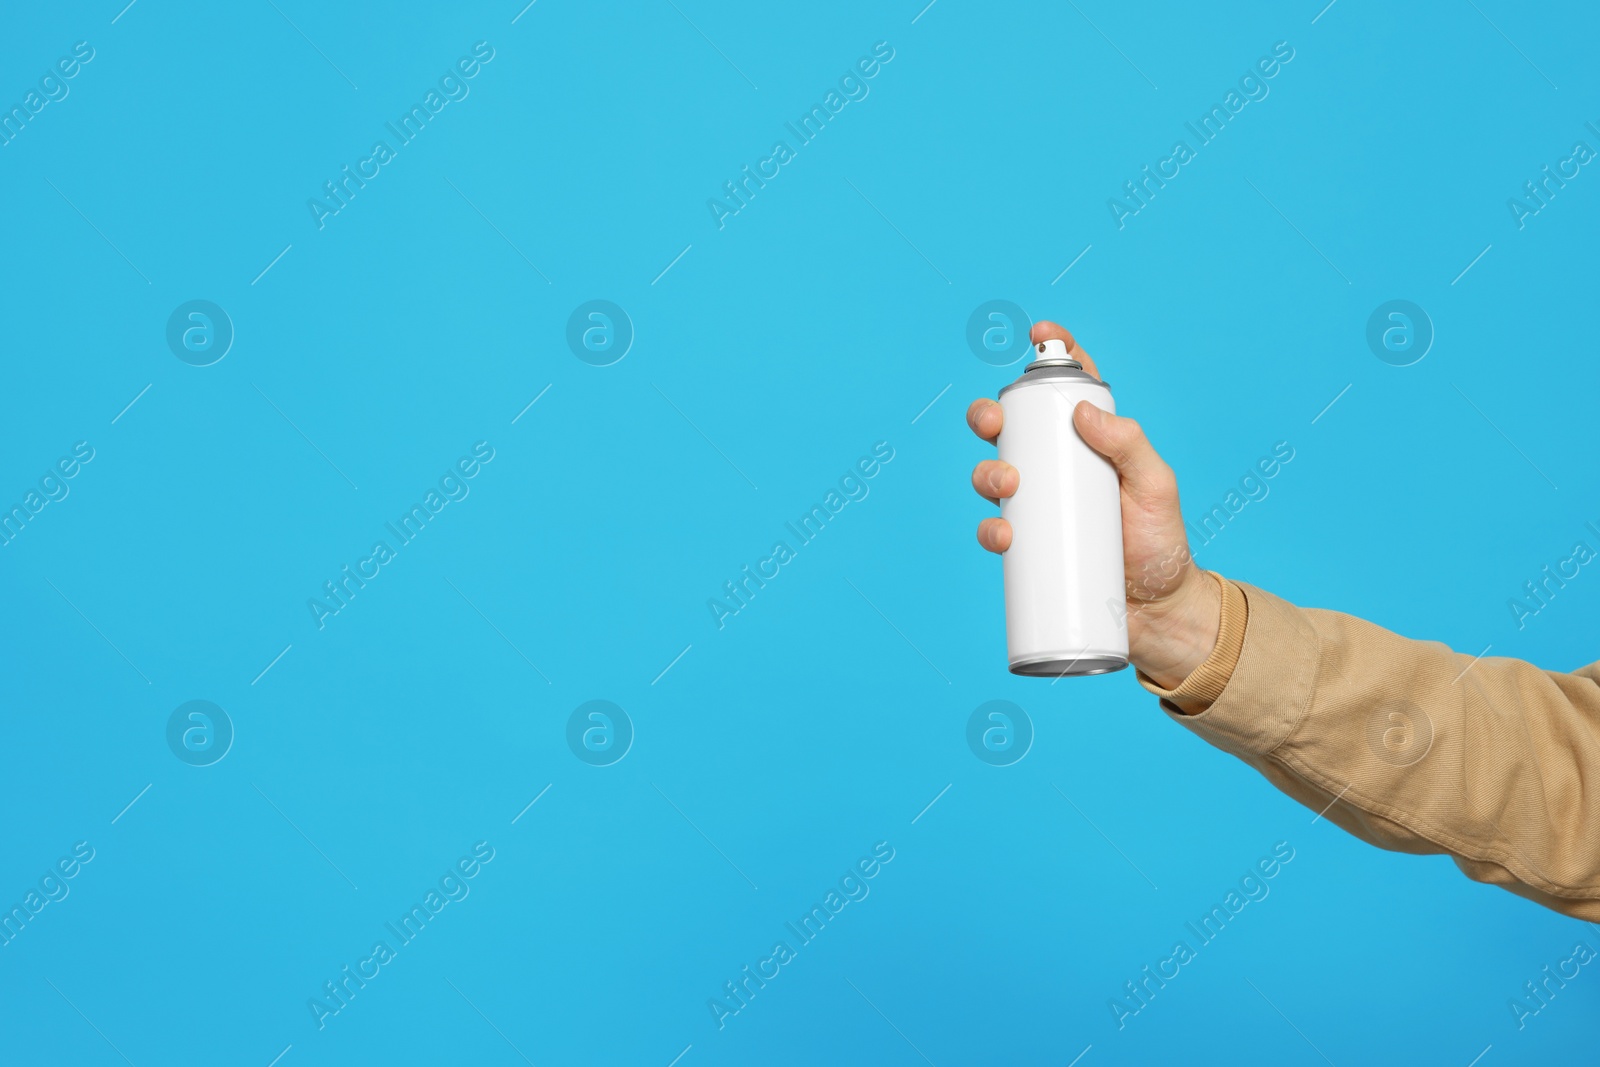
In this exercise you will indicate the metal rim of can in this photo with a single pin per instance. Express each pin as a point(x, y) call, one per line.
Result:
point(1031, 376)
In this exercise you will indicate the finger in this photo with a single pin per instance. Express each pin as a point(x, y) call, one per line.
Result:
point(985, 417)
point(1045, 330)
point(1143, 473)
point(994, 535)
point(994, 479)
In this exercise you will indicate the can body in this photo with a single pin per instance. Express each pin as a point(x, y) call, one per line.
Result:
point(1066, 602)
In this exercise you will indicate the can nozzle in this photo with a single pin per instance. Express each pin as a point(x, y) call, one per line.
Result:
point(1053, 353)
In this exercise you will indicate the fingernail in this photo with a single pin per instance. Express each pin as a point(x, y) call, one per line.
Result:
point(996, 480)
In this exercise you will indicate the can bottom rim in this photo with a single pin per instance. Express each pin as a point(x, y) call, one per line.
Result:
point(1062, 667)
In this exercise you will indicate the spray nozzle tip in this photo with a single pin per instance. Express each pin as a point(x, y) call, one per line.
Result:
point(1053, 352)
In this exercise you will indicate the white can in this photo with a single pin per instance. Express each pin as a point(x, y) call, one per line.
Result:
point(1066, 602)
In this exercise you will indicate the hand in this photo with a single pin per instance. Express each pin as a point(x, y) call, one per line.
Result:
point(1174, 609)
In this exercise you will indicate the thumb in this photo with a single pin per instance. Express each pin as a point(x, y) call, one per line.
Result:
point(1143, 473)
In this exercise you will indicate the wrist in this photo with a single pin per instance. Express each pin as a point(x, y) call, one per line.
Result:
point(1169, 638)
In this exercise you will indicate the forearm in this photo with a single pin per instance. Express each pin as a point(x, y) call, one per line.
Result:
point(1411, 746)
point(1185, 652)
point(1173, 640)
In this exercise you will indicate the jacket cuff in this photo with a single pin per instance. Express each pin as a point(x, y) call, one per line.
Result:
point(1206, 682)
point(1271, 685)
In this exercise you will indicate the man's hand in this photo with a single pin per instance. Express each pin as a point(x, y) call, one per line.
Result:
point(1174, 609)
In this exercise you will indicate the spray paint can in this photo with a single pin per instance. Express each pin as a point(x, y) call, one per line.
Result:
point(1066, 604)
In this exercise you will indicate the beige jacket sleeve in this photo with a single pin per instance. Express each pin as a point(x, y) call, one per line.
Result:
point(1408, 745)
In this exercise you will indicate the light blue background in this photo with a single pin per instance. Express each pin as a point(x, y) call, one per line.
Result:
point(823, 318)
